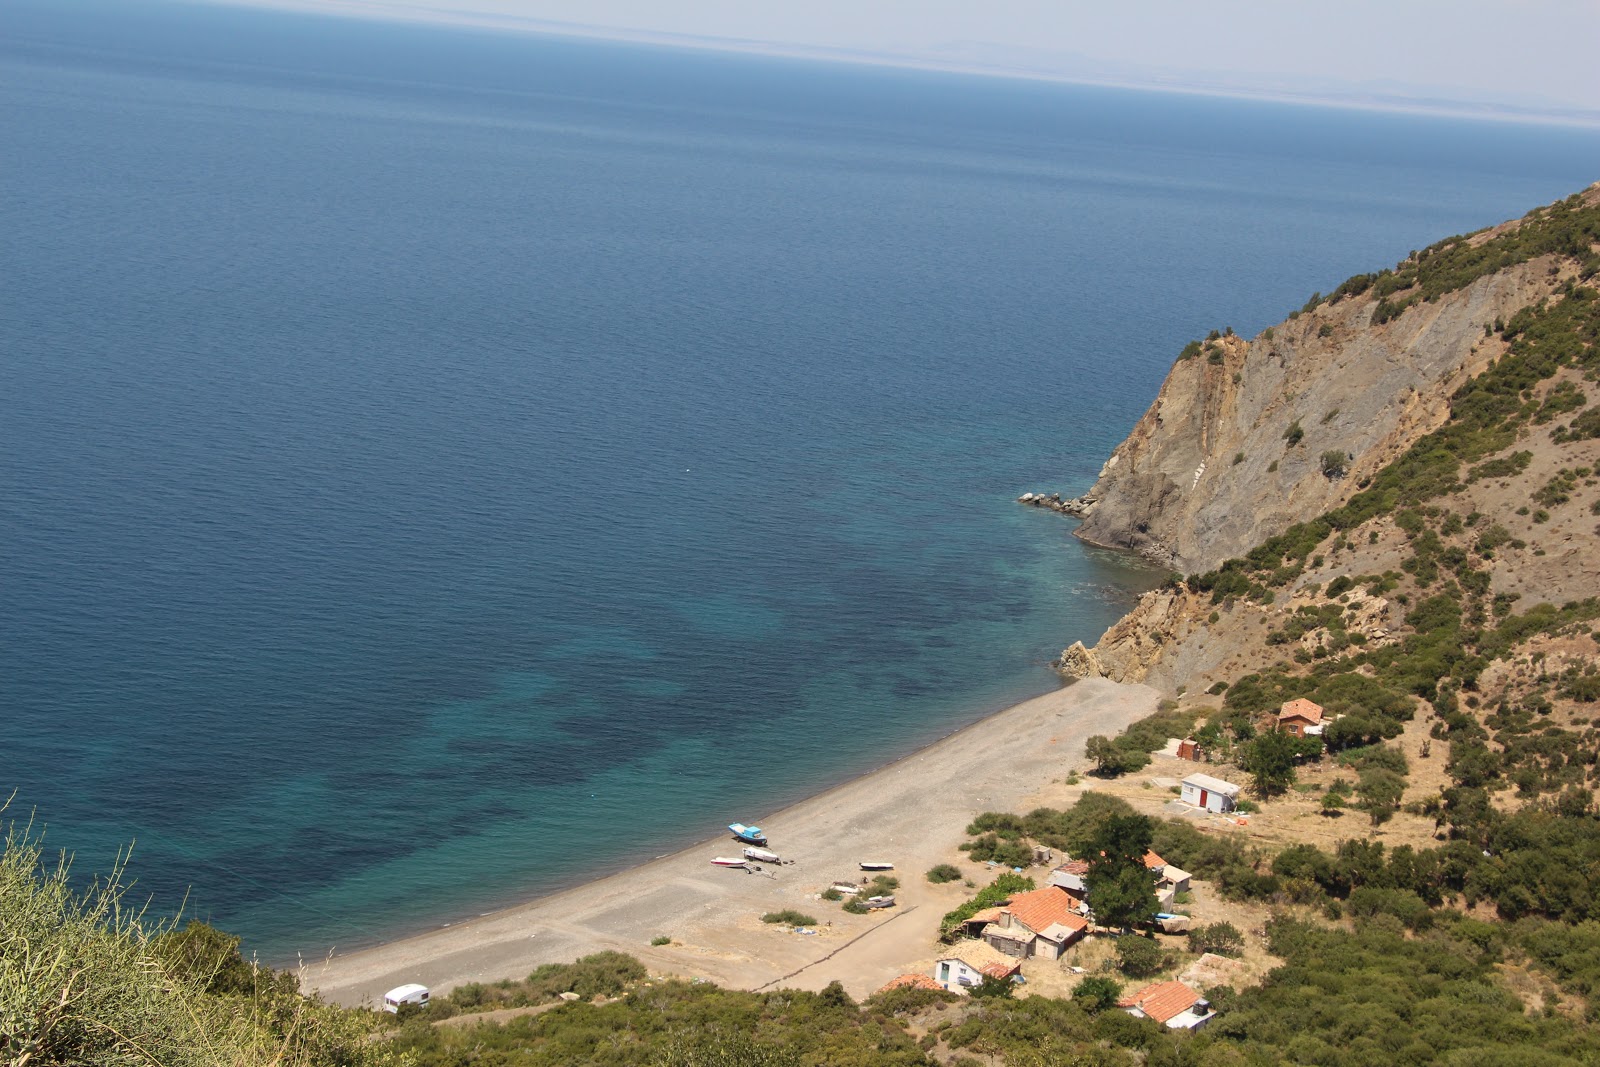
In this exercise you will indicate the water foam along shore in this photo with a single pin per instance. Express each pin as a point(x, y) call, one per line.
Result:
point(911, 812)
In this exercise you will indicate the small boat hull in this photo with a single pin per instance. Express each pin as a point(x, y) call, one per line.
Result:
point(729, 861)
point(750, 835)
point(880, 902)
point(876, 865)
point(761, 855)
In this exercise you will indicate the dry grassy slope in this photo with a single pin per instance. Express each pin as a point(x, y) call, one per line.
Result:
point(1179, 641)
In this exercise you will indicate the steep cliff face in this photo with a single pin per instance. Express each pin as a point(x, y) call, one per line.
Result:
point(1248, 438)
point(1241, 441)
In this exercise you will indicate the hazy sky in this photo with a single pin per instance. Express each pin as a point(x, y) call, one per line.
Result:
point(1511, 52)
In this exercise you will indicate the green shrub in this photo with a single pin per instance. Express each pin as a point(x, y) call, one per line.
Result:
point(990, 848)
point(603, 974)
point(944, 872)
point(789, 917)
point(1139, 956)
point(1222, 938)
point(1096, 993)
point(1002, 889)
point(992, 987)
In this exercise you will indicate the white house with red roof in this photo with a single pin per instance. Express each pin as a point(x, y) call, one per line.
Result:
point(1172, 1004)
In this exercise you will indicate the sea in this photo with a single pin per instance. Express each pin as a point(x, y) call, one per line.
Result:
point(441, 466)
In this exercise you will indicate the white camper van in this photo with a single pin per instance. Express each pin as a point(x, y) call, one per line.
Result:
point(405, 994)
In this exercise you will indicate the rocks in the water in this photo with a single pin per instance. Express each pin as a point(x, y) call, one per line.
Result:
point(1077, 506)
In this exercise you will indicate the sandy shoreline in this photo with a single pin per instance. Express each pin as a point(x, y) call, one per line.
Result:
point(911, 812)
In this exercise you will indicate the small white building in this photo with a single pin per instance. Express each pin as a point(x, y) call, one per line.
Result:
point(1172, 1004)
point(969, 962)
point(1212, 794)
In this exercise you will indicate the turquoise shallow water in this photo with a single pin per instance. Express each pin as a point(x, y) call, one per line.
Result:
point(441, 467)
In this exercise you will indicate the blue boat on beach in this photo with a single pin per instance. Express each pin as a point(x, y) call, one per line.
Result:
point(750, 835)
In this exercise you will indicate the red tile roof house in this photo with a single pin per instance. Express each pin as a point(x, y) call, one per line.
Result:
point(1172, 1004)
point(912, 981)
point(1300, 718)
point(1040, 922)
point(969, 962)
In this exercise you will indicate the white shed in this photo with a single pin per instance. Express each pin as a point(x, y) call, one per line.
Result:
point(1212, 794)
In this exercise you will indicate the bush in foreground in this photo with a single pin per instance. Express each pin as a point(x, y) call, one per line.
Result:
point(83, 980)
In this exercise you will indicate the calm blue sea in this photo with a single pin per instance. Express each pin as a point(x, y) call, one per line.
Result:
point(436, 467)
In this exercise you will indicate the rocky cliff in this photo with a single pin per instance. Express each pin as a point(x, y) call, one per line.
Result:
point(1247, 438)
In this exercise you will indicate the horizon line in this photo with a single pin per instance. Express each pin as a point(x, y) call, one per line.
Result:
point(1475, 110)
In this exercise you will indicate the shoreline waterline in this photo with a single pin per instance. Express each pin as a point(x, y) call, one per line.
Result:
point(911, 810)
point(679, 844)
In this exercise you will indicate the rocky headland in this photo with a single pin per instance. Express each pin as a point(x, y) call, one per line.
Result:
point(1248, 438)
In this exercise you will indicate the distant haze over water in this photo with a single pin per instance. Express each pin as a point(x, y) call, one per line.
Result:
point(439, 467)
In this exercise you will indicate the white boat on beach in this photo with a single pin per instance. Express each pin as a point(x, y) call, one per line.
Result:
point(760, 854)
point(876, 865)
point(845, 887)
point(729, 861)
point(885, 901)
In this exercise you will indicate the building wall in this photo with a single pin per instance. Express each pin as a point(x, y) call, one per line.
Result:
point(1019, 948)
point(956, 976)
point(1218, 802)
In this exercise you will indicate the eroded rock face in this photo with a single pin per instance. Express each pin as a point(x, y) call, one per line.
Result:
point(1165, 641)
point(1215, 466)
point(1078, 662)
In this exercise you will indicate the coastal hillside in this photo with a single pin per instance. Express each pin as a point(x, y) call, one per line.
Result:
point(1247, 438)
point(1413, 877)
point(1456, 381)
